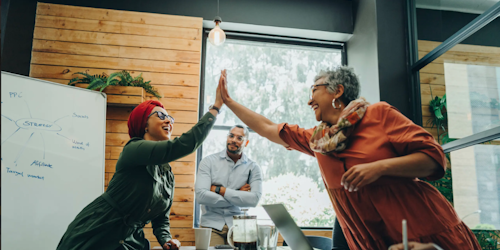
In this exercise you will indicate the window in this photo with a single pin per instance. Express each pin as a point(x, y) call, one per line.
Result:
point(459, 79)
point(273, 80)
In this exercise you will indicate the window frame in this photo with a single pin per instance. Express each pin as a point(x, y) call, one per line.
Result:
point(414, 66)
point(235, 35)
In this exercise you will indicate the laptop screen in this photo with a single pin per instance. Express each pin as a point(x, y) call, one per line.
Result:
point(292, 234)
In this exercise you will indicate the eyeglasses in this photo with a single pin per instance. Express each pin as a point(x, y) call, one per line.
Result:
point(238, 138)
point(162, 116)
point(313, 88)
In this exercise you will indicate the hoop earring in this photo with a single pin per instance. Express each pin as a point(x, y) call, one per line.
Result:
point(146, 130)
point(333, 104)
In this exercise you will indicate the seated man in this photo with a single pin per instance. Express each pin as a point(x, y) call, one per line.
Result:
point(227, 181)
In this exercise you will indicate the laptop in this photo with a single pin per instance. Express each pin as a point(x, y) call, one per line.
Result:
point(291, 233)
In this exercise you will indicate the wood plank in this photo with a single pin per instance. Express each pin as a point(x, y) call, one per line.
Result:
point(182, 208)
point(178, 167)
point(432, 78)
point(183, 167)
point(184, 194)
point(116, 51)
point(182, 234)
point(113, 63)
point(433, 68)
point(184, 180)
point(433, 132)
point(116, 150)
point(425, 110)
point(117, 27)
point(126, 100)
point(60, 81)
point(113, 126)
point(107, 152)
point(466, 57)
point(77, 36)
point(107, 178)
point(462, 48)
point(425, 99)
point(426, 121)
point(185, 221)
point(432, 90)
point(118, 90)
point(178, 91)
point(119, 15)
point(116, 139)
point(122, 114)
point(178, 104)
point(118, 113)
point(65, 72)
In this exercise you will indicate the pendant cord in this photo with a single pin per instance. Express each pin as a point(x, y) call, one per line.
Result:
point(217, 7)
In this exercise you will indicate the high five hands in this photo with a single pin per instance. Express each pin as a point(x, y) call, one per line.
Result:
point(222, 88)
point(218, 97)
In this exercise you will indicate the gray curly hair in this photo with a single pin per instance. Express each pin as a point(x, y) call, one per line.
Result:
point(342, 75)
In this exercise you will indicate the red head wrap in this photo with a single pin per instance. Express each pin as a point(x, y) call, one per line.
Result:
point(139, 116)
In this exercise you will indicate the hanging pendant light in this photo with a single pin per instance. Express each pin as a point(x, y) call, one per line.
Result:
point(217, 36)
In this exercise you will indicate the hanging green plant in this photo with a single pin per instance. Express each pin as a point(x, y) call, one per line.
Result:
point(122, 78)
point(439, 116)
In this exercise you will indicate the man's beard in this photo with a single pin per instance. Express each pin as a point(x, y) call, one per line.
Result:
point(237, 151)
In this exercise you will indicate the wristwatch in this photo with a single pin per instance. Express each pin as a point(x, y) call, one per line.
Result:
point(213, 107)
point(217, 189)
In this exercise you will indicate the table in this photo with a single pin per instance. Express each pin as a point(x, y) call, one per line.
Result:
point(212, 248)
point(185, 248)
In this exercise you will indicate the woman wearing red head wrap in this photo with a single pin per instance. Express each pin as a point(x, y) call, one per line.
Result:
point(142, 188)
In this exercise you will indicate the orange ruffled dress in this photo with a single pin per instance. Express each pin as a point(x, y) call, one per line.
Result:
point(371, 217)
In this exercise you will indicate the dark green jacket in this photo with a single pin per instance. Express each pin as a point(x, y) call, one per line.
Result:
point(141, 191)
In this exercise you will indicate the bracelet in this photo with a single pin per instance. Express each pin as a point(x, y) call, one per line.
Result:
point(213, 107)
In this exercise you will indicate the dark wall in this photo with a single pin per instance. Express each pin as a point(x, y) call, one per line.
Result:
point(377, 51)
point(5, 9)
point(392, 55)
point(321, 15)
point(436, 25)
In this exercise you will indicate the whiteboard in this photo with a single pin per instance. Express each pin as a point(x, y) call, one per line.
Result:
point(53, 139)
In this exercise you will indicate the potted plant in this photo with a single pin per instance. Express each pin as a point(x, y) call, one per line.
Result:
point(121, 87)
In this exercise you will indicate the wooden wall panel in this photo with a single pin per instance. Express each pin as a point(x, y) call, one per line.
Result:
point(66, 73)
point(432, 81)
point(166, 49)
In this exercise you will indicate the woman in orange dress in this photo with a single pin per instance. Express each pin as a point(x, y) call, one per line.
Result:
point(370, 157)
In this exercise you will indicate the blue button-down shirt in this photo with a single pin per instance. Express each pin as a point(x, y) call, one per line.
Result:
point(219, 169)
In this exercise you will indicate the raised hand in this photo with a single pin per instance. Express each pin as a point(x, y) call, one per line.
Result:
point(224, 91)
point(219, 101)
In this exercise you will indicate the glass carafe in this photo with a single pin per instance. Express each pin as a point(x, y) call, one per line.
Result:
point(243, 233)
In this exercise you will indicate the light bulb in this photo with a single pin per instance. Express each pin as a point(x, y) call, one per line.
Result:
point(217, 36)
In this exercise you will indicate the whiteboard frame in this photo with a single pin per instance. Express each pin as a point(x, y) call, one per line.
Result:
point(80, 89)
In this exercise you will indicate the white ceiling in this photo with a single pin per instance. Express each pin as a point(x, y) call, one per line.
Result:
point(468, 6)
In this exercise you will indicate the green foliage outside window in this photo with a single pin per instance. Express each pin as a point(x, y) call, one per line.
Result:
point(274, 80)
